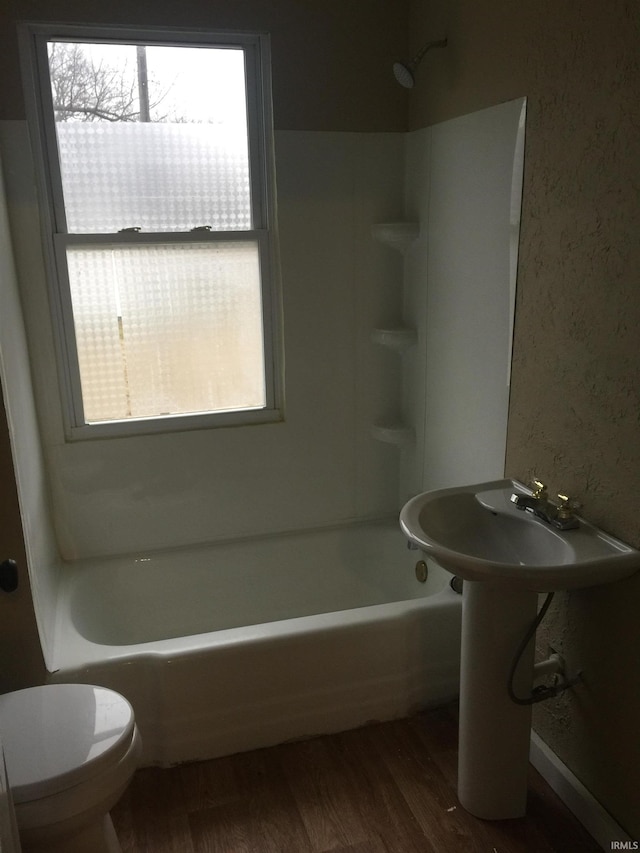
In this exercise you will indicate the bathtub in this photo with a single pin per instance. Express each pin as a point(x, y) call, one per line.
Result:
point(238, 645)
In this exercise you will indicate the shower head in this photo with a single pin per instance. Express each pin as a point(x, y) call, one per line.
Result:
point(403, 72)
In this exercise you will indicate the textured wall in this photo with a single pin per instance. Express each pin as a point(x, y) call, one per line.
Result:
point(574, 416)
point(575, 404)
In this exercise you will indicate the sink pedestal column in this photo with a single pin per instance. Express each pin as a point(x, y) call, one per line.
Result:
point(493, 752)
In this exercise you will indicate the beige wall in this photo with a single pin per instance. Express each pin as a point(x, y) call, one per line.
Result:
point(574, 416)
point(331, 60)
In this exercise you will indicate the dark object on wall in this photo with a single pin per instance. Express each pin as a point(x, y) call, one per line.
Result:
point(8, 575)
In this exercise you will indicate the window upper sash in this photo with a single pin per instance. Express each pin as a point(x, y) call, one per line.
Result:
point(254, 49)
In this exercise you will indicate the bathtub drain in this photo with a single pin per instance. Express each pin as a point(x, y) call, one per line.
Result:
point(422, 571)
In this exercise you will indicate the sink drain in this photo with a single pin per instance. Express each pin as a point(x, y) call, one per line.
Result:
point(456, 584)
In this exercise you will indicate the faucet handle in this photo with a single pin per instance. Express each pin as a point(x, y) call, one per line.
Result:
point(539, 489)
point(567, 506)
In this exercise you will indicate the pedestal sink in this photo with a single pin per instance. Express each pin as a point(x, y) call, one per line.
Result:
point(506, 556)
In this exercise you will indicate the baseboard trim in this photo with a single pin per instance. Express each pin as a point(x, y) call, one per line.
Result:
point(594, 817)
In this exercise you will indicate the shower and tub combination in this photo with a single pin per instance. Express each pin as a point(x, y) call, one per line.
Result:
point(254, 640)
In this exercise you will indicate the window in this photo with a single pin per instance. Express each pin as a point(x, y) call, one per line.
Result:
point(156, 170)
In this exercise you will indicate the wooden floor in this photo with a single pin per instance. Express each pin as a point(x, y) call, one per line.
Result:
point(385, 788)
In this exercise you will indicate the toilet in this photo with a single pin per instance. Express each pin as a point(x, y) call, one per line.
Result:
point(70, 752)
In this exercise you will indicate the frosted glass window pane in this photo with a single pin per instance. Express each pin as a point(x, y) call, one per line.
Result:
point(168, 329)
point(171, 160)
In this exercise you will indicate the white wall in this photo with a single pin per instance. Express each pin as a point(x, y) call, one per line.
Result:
point(321, 466)
point(33, 493)
point(460, 181)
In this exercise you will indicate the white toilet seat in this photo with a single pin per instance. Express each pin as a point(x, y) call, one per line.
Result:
point(60, 736)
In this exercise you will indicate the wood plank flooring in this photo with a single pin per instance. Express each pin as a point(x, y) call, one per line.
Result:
point(384, 788)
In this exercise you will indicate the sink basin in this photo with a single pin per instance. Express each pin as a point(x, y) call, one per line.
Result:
point(476, 532)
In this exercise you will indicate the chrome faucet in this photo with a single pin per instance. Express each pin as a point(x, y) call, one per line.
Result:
point(559, 515)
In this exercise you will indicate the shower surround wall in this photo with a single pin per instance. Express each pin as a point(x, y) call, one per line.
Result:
point(320, 466)
point(463, 183)
point(25, 453)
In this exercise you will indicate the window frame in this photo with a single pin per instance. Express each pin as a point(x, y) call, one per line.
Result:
point(56, 238)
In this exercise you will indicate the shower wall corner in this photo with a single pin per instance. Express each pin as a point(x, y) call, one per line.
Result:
point(37, 591)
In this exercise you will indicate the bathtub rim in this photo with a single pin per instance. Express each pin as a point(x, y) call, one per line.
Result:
point(73, 651)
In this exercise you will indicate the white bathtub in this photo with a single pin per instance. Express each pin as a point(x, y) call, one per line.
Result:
point(235, 646)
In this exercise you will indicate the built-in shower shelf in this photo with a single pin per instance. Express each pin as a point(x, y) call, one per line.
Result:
point(397, 235)
point(399, 339)
point(394, 433)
